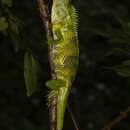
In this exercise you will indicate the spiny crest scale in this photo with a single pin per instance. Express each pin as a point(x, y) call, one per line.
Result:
point(75, 18)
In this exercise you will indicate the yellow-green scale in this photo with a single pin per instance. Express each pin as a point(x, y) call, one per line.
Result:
point(66, 60)
point(66, 52)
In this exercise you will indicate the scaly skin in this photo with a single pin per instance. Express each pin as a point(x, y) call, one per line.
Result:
point(66, 54)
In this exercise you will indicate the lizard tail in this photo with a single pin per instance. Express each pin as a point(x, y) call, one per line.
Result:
point(61, 105)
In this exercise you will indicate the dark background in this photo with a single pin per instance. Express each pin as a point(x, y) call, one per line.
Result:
point(100, 92)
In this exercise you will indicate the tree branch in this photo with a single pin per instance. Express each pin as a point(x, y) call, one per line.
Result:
point(47, 25)
point(45, 17)
point(117, 119)
point(72, 118)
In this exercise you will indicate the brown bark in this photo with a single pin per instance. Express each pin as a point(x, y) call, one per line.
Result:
point(47, 25)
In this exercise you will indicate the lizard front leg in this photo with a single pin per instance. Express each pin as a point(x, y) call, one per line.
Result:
point(55, 84)
point(57, 35)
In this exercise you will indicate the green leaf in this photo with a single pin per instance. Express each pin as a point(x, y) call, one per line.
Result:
point(128, 24)
point(114, 35)
point(7, 2)
point(117, 51)
point(3, 24)
point(15, 40)
point(30, 73)
point(119, 39)
point(123, 69)
point(125, 72)
point(126, 63)
point(101, 32)
point(14, 34)
point(14, 26)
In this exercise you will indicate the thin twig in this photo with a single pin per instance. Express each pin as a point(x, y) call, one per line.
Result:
point(117, 119)
point(72, 118)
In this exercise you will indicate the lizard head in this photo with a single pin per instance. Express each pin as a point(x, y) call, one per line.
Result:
point(60, 13)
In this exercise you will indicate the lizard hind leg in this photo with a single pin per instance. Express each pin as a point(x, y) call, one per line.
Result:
point(55, 84)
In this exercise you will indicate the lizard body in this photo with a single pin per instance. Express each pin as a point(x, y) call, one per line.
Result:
point(66, 53)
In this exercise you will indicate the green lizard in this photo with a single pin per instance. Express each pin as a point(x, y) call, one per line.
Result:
point(65, 54)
